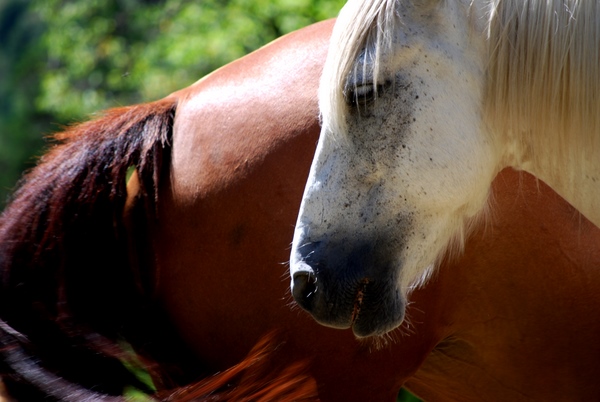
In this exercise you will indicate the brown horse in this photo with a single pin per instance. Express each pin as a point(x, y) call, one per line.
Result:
point(501, 316)
point(198, 241)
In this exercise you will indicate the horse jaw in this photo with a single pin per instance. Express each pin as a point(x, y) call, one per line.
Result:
point(402, 181)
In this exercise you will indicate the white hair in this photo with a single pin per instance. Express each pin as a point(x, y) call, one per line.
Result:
point(543, 69)
point(542, 84)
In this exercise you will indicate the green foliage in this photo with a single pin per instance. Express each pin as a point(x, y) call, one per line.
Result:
point(405, 396)
point(107, 52)
point(62, 60)
point(21, 125)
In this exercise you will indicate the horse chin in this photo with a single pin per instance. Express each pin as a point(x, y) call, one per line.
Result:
point(371, 318)
point(376, 316)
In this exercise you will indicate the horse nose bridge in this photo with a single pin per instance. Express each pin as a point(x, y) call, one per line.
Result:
point(332, 194)
point(331, 212)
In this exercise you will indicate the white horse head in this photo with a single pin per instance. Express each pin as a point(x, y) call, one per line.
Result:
point(423, 102)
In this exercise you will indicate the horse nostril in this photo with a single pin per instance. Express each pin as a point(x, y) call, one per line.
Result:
point(305, 288)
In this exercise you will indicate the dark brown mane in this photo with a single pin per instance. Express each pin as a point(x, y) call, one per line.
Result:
point(77, 280)
point(69, 291)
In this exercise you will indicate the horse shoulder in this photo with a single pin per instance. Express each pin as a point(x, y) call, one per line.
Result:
point(233, 118)
point(243, 141)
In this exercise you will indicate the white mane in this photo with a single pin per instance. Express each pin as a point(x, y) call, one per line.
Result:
point(543, 77)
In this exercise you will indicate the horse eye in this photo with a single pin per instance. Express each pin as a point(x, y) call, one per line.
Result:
point(360, 95)
point(364, 94)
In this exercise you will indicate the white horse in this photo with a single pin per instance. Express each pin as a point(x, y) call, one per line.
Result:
point(423, 102)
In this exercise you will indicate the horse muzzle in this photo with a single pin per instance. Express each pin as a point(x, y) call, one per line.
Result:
point(353, 292)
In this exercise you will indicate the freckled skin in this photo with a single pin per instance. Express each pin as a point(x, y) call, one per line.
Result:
point(385, 182)
point(433, 150)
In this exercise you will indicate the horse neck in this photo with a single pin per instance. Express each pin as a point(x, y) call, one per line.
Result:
point(541, 93)
point(570, 170)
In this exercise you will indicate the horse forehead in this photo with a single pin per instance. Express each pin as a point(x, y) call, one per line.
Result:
point(453, 33)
